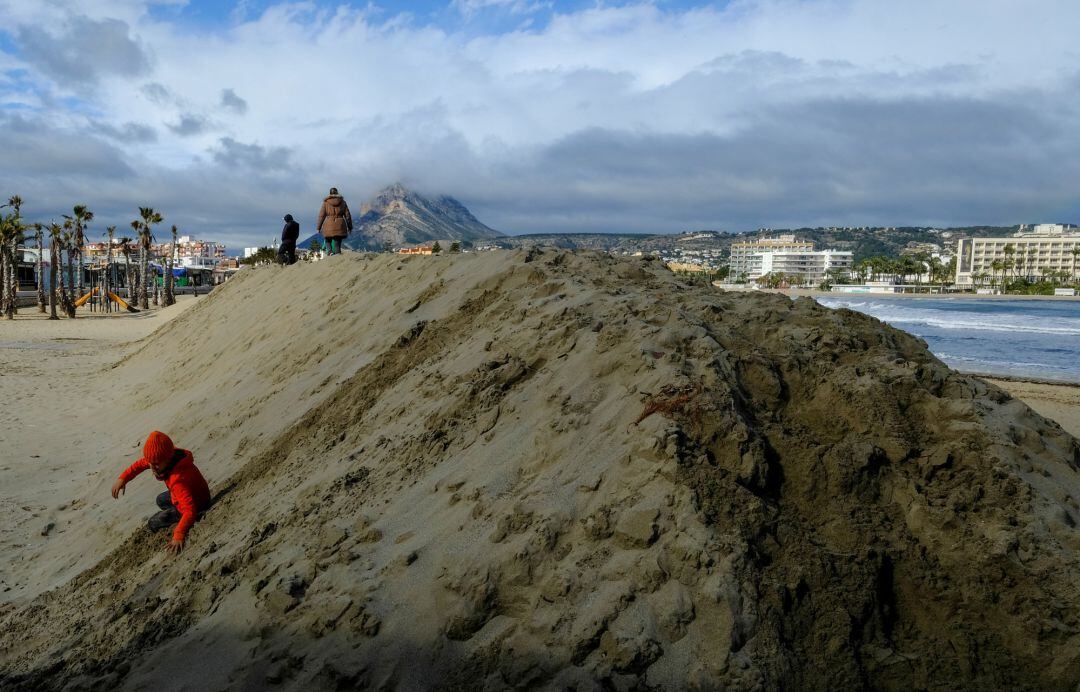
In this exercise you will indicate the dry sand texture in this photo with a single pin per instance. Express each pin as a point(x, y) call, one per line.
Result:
point(1060, 403)
point(551, 470)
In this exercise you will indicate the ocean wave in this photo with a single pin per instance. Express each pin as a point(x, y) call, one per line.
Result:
point(1012, 364)
point(1002, 321)
point(1035, 371)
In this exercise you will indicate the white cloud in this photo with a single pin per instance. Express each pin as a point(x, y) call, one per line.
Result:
point(361, 97)
point(471, 7)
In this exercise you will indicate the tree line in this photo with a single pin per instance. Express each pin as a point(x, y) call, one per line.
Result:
point(67, 243)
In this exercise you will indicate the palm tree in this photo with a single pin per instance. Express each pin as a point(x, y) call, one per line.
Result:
point(39, 236)
point(997, 266)
point(110, 233)
point(861, 270)
point(67, 242)
point(54, 260)
point(125, 249)
point(80, 216)
point(137, 277)
point(170, 293)
point(937, 270)
point(12, 237)
point(146, 236)
point(1075, 252)
point(1010, 251)
point(919, 264)
point(906, 266)
point(7, 226)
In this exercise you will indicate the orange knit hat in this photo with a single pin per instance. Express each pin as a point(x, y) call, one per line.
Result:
point(158, 448)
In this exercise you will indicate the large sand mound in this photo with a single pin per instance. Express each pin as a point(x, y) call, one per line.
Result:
point(548, 469)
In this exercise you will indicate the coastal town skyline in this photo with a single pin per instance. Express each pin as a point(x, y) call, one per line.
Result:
point(544, 117)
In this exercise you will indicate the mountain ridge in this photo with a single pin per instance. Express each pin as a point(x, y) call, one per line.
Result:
point(397, 216)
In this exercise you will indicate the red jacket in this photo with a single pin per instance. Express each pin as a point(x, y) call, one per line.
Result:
point(187, 489)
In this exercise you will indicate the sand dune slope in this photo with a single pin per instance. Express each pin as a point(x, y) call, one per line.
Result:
point(545, 469)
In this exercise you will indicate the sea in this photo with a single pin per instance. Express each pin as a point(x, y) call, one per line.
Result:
point(1027, 339)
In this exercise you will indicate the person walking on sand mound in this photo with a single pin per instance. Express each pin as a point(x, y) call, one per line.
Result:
point(289, 234)
point(187, 494)
point(335, 221)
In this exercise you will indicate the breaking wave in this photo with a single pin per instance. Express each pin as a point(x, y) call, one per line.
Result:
point(996, 318)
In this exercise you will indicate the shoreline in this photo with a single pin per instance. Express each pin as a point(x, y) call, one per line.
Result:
point(1017, 379)
point(1057, 401)
point(814, 293)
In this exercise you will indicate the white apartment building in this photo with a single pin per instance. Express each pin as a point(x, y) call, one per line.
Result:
point(807, 268)
point(1044, 246)
point(746, 255)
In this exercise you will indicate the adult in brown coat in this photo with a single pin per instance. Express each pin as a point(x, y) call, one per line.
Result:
point(335, 221)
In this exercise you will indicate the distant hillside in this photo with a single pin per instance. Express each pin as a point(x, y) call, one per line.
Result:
point(863, 242)
point(398, 217)
point(868, 242)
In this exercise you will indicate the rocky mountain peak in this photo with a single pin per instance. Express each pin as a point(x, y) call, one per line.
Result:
point(398, 216)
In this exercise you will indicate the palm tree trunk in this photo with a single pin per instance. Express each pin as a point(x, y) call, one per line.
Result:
point(5, 285)
point(106, 304)
point(170, 291)
point(60, 287)
point(53, 259)
point(40, 273)
point(128, 279)
point(144, 303)
point(13, 276)
point(69, 300)
point(12, 279)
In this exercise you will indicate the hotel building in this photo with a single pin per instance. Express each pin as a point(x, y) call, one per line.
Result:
point(1036, 249)
point(746, 255)
point(795, 259)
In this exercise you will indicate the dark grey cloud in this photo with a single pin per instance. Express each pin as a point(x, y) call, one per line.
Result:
point(269, 160)
point(36, 151)
point(157, 93)
point(83, 50)
point(189, 125)
point(850, 161)
point(231, 101)
point(128, 133)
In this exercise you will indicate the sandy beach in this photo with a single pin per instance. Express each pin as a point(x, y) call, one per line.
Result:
point(534, 468)
point(1058, 402)
point(814, 293)
point(71, 405)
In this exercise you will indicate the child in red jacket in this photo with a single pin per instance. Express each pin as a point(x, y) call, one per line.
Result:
point(187, 496)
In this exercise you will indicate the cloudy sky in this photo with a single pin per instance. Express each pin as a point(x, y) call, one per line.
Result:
point(540, 116)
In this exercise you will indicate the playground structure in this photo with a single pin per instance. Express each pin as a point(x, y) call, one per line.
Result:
point(96, 291)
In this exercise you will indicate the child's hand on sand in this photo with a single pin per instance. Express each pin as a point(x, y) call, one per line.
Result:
point(118, 487)
point(175, 546)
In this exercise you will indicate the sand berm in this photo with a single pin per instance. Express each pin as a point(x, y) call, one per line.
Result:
point(540, 469)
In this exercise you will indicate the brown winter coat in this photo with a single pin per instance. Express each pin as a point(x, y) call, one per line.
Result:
point(335, 220)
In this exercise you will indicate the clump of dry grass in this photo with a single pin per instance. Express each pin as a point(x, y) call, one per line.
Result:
point(673, 401)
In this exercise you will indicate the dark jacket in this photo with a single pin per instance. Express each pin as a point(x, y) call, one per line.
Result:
point(335, 220)
point(291, 232)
